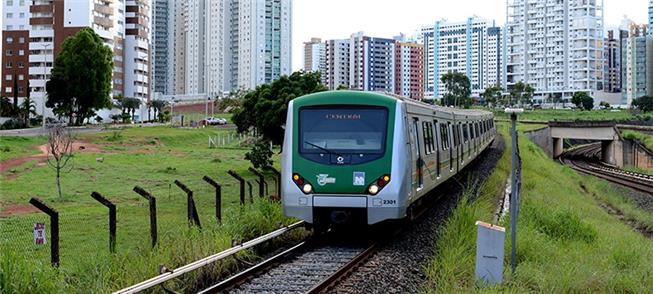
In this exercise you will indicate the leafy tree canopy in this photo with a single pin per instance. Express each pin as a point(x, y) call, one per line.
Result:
point(521, 94)
point(492, 94)
point(578, 98)
point(81, 77)
point(265, 108)
point(644, 103)
point(458, 89)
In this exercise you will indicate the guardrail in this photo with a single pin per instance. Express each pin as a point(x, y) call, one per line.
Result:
point(160, 279)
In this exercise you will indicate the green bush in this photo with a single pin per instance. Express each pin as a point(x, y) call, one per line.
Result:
point(261, 154)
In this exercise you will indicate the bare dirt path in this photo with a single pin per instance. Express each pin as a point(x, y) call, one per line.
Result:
point(78, 146)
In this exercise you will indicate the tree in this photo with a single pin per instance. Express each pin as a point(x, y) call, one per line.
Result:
point(60, 151)
point(342, 87)
point(129, 105)
point(588, 103)
point(556, 98)
point(492, 95)
point(644, 103)
point(458, 89)
point(265, 108)
point(261, 154)
point(27, 107)
point(80, 80)
point(6, 107)
point(158, 105)
point(521, 93)
point(578, 98)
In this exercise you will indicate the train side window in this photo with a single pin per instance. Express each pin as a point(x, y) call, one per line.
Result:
point(431, 137)
point(427, 137)
point(465, 133)
point(437, 145)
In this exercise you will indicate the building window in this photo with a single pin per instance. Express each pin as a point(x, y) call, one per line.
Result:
point(10, 15)
point(21, 52)
point(8, 65)
point(21, 77)
point(21, 3)
point(20, 64)
point(9, 53)
point(21, 40)
point(10, 2)
point(20, 89)
point(10, 27)
point(10, 40)
point(21, 15)
point(7, 89)
point(7, 77)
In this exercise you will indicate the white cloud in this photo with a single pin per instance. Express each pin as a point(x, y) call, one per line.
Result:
point(331, 19)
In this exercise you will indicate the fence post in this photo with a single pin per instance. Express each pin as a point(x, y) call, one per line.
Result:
point(152, 201)
point(278, 174)
point(251, 198)
point(193, 217)
point(218, 196)
point(112, 219)
point(242, 185)
point(261, 181)
point(54, 228)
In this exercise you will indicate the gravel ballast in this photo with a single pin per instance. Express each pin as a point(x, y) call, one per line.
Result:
point(399, 265)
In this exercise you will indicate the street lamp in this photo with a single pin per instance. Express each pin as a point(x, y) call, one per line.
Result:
point(45, 62)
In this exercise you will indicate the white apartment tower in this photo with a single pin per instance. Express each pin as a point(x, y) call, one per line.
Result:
point(222, 45)
point(555, 46)
point(336, 63)
point(35, 30)
point(473, 47)
point(314, 56)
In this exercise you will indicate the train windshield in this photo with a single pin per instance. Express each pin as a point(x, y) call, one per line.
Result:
point(341, 130)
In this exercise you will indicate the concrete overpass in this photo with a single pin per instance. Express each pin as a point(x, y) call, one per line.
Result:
point(604, 131)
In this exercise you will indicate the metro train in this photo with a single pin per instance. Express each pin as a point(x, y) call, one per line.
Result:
point(352, 157)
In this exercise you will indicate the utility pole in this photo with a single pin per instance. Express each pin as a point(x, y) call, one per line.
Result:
point(45, 46)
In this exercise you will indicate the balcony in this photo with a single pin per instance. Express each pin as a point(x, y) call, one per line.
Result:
point(41, 8)
point(41, 21)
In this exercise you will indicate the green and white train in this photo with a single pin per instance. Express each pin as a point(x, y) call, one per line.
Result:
point(365, 157)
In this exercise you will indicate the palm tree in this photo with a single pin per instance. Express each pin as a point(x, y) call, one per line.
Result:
point(130, 105)
point(26, 108)
point(157, 105)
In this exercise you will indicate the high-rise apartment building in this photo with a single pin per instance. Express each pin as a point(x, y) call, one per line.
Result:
point(162, 16)
point(612, 63)
point(650, 16)
point(223, 45)
point(555, 46)
point(33, 33)
point(315, 56)
point(409, 70)
point(635, 63)
point(473, 47)
point(336, 63)
point(371, 63)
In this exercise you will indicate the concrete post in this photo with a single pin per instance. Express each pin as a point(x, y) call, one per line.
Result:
point(558, 147)
point(489, 253)
point(607, 152)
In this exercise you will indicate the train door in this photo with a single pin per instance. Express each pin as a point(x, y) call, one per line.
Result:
point(436, 138)
point(419, 161)
point(451, 145)
point(459, 147)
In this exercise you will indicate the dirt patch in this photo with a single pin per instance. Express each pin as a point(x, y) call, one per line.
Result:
point(78, 146)
point(18, 209)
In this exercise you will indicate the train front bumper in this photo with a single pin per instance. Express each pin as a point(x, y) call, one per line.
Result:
point(318, 207)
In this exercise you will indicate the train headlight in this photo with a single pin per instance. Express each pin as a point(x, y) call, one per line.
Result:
point(373, 189)
point(307, 188)
point(377, 185)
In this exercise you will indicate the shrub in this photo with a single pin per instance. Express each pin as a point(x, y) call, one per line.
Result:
point(260, 155)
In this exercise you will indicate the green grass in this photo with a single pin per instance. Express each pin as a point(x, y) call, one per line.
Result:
point(13, 147)
point(566, 241)
point(152, 158)
point(544, 115)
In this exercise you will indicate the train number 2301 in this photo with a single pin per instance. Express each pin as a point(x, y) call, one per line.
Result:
point(389, 202)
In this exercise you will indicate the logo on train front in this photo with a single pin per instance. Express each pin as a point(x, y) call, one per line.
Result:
point(323, 179)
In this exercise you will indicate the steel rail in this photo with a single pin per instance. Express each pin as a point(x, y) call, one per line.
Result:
point(632, 180)
point(207, 260)
point(344, 270)
point(243, 276)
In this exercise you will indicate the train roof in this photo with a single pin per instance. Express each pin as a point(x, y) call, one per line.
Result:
point(391, 96)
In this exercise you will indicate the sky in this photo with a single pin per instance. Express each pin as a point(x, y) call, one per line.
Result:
point(338, 19)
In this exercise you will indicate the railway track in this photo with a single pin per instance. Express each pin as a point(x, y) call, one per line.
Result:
point(312, 266)
point(586, 160)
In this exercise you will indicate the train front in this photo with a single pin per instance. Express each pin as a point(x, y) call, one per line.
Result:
point(341, 163)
